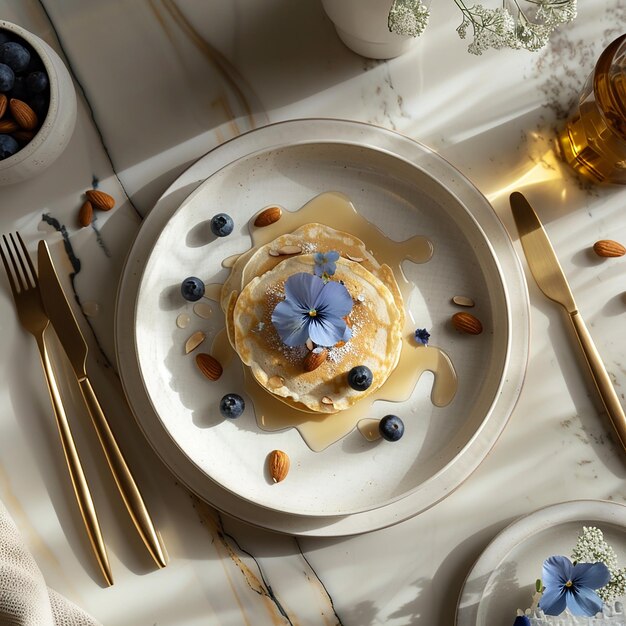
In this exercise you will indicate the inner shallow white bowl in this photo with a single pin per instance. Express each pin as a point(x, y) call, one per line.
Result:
point(352, 475)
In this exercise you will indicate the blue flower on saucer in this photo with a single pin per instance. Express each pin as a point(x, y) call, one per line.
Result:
point(572, 586)
point(312, 308)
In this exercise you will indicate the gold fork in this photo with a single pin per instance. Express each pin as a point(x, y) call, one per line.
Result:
point(25, 288)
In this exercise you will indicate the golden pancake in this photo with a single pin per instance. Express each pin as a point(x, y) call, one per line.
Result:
point(376, 321)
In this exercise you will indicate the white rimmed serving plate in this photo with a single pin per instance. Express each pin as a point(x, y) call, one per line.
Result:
point(353, 486)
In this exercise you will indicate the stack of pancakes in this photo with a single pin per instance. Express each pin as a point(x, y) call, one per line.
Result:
point(256, 285)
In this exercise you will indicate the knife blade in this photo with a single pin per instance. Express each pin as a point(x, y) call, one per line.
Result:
point(71, 338)
point(549, 276)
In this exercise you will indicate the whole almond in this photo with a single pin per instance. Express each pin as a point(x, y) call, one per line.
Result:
point(314, 359)
point(608, 248)
point(23, 114)
point(8, 126)
point(467, 323)
point(100, 199)
point(209, 366)
point(278, 465)
point(85, 215)
point(23, 136)
point(3, 104)
point(268, 216)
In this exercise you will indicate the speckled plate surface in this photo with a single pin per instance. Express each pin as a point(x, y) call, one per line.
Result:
point(352, 486)
point(503, 578)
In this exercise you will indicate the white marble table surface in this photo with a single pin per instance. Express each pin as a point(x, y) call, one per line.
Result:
point(154, 95)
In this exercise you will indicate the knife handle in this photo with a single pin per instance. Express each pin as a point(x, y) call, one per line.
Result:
point(123, 478)
point(77, 475)
point(600, 377)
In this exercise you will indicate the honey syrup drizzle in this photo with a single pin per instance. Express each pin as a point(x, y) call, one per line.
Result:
point(321, 430)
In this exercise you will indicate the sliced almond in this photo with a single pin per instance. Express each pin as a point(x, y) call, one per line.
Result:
point(356, 259)
point(309, 344)
point(3, 104)
point(268, 216)
point(467, 323)
point(209, 366)
point(314, 359)
point(286, 250)
point(463, 301)
point(275, 382)
point(100, 199)
point(608, 248)
point(85, 214)
point(194, 341)
point(23, 114)
point(327, 400)
point(279, 464)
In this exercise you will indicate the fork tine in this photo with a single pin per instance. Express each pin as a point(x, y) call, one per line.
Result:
point(20, 258)
point(15, 268)
point(8, 269)
point(33, 271)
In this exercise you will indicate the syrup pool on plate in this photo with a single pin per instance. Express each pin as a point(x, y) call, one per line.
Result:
point(321, 430)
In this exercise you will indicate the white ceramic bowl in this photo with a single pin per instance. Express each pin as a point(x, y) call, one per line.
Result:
point(58, 125)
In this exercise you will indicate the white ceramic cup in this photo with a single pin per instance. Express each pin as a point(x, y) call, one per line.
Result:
point(362, 26)
point(58, 125)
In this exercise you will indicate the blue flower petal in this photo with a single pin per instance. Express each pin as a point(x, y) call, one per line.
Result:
point(583, 601)
point(326, 331)
point(553, 600)
point(290, 323)
point(557, 570)
point(332, 256)
point(333, 301)
point(347, 334)
point(303, 289)
point(591, 575)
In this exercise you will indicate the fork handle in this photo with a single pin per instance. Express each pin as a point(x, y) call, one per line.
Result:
point(79, 482)
point(600, 377)
point(123, 478)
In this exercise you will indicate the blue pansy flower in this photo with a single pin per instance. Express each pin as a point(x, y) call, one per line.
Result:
point(325, 263)
point(572, 586)
point(312, 308)
point(422, 336)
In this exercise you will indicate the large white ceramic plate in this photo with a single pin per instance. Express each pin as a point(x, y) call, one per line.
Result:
point(353, 486)
point(503, 578)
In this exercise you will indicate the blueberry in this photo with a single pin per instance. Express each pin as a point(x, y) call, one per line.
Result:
point(521, 620)
point(391, 428)
point(360, 377)
point(4, 37)
point(36, 82)
point(19, 90)
point(232, 405)
point(15, 55)
point(192, 289)
point(222, 225)
point(7, 77)
point(8, 146)
point(39, 104)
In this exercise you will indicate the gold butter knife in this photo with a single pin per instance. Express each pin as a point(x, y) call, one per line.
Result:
point(71, 338)
point(548, 274)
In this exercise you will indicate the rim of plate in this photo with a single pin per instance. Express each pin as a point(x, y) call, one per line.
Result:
point(311, 131)
point(523, 529)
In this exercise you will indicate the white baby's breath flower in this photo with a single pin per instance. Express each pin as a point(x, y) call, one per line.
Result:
point(408, 17)
point(591, 548)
